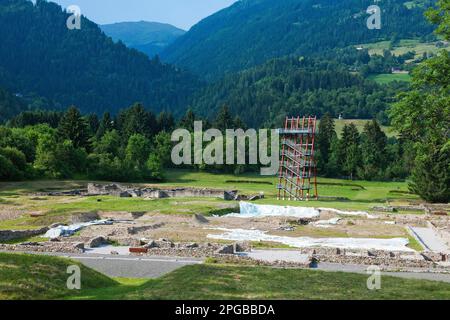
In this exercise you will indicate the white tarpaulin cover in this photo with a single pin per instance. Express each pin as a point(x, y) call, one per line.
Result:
point(250, 210)
point(349, 213)
point(395, 244)
point(327, 223)
point(332, 221)
point(67, 231)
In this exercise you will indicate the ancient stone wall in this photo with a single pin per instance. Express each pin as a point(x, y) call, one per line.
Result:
point(8, 235)
point(124, 191)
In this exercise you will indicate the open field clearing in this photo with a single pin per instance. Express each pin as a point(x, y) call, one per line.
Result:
point(389, 77)
point(360, 123)
point(404, 46)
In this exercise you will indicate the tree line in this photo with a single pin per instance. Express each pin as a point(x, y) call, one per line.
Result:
point(130, 146)
point(369, 155)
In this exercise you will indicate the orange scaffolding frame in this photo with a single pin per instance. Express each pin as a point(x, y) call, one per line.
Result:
point(298, 170)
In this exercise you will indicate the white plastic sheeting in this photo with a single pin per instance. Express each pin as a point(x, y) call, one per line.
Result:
point(327, 223)
point(250, 210)
point(349, 213)
point(67, 231)
point(395, 244)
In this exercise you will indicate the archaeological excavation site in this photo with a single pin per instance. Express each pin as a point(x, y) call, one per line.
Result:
point(238, 229)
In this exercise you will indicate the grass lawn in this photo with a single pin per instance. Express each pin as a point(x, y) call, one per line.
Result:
point(389, 77)
point(39, 277)
point(404, 46)
point(361, 195)
point(360, 123)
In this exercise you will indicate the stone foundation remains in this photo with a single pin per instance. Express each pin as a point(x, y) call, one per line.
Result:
point(9, 235)
point(124, 191)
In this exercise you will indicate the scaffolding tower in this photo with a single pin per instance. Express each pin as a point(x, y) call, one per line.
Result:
point(298, 170)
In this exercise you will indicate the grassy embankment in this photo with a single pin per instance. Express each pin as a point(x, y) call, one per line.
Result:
point(40, 277)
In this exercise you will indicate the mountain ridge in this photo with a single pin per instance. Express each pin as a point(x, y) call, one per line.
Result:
point(249, 33)
point(40, 56)
point(146, 36)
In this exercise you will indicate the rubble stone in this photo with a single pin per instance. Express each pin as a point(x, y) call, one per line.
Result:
point(79, 245)
point(97, 242)
point(226, 249)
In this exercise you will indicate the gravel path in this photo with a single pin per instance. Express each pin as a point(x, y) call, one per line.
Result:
point(126, 267)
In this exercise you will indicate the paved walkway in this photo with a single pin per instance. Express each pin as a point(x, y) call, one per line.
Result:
point(125, 266)
point(445, 277)
point(430, 239)
point(128, 267)
point(296, 256)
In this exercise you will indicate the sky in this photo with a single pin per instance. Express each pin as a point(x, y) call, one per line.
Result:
point(180, 13)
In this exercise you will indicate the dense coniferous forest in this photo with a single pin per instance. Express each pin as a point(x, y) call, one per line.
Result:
point(52, 67)
point(264, 95)
point(40, 56)
point(253, 31)
point(10, 105)
point(136, 145)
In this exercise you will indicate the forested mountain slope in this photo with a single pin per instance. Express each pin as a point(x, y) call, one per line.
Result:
point(10, 105)
point(40, 56)
point(266, 94)
point(251, 32)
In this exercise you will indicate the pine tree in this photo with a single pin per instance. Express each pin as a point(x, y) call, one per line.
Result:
point(106, 124)
point(431, 175)
point(324, 138)
point(351, 155)
point(165, 121)
point(93, 123)
point(239, 124)
point(373, 149)
point(224, 119)
point(187, 122)
point(136, 120)
point(73, 127)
